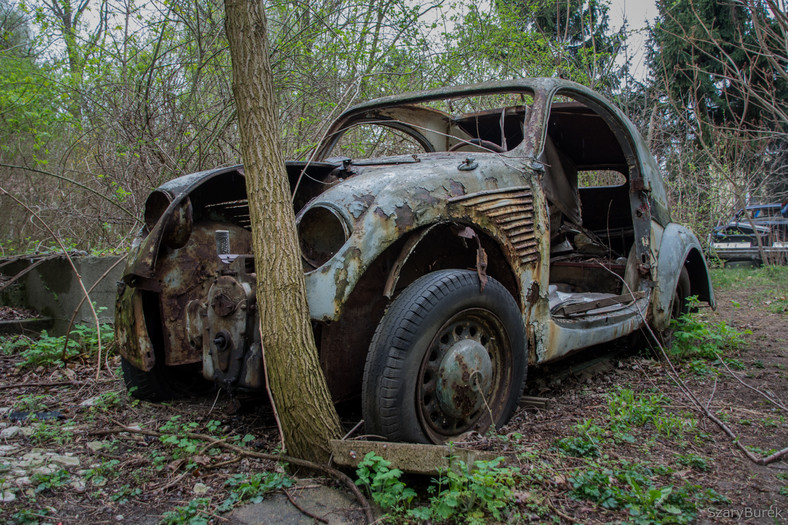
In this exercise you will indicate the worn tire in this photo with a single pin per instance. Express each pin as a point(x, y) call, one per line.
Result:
point(417, 387)
point(163, 383)
point(678, 305)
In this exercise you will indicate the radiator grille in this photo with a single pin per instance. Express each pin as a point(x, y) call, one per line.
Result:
point(513, 211)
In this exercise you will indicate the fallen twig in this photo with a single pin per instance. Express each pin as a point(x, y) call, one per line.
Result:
point(57, 383)
point(164, 486)
point(768, 398)
point(301, 509)
point(693, 399)
point(222, 464)
point(713, 391)
point(261, 455)
point(562, 514)
point(687, 392)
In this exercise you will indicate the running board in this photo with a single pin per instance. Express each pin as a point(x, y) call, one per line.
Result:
point(577, 308)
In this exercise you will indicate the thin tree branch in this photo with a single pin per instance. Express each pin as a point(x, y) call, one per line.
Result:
point(260, 455)
point(79, 184)
point(73, 267)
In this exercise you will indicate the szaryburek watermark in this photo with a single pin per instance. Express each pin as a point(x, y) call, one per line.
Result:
point(772, 511)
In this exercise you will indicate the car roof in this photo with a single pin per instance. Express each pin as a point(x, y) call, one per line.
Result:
point(762, 206)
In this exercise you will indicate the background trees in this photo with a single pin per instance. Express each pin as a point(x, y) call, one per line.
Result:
point(721, 70)
point(117, 96)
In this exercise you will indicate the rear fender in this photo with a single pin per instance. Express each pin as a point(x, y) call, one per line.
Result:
point(679, 248)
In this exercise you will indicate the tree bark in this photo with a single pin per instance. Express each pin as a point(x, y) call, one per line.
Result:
point(297, 383)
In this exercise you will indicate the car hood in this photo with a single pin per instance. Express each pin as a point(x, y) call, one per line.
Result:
point(412, 189)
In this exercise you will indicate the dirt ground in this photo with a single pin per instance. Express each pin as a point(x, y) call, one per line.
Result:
point(73, 464)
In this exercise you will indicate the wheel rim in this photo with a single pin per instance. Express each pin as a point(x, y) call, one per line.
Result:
point(463, 380)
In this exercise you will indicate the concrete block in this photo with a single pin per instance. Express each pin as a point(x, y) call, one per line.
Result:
point(53, 290)
point(408, 457)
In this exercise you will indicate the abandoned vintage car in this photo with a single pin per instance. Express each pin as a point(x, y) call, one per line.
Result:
point(736, 241)
point(486, 228)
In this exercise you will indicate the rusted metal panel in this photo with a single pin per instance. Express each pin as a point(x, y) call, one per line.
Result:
point(143, 264)
point(131, 335)
point(583, 307)
point(512, 210)
point(186, 275)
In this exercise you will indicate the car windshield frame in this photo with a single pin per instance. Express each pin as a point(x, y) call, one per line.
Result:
point(539, 90)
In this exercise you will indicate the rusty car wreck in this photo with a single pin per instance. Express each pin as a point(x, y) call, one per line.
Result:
point(488, 227)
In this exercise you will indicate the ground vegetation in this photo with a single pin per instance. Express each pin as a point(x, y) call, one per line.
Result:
point(619, 441)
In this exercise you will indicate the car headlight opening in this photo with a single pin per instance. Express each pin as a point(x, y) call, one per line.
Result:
point(322, 231)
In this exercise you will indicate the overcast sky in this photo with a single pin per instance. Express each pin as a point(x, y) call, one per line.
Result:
point(637, 13)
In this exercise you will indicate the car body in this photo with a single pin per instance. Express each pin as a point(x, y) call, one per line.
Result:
point(504, 224)
point(736, 240)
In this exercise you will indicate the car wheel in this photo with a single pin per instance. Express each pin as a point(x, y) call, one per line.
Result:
point(163, 383)
point(445, 359)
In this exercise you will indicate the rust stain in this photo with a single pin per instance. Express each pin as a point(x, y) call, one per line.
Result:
point(130, 331)
point(425, 196)
point(456, 189)
point(533, 293)
point(186, 275)
point(404, 217)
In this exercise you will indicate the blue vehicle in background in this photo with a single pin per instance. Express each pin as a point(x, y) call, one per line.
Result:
point(737, 240)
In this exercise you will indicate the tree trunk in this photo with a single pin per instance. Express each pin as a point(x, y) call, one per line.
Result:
point(306, 413)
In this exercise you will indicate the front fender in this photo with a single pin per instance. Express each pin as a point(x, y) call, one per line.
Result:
point(679, 248)
point(508, 216)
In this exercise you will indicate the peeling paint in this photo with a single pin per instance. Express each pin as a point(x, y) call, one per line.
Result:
point(387, 207)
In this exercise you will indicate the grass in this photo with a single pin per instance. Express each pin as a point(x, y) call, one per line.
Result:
point(766, 285)
point(626, 455)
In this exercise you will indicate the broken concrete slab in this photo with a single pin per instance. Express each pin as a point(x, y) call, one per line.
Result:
point(52, 288)
point(408, 457)
point(333, 505)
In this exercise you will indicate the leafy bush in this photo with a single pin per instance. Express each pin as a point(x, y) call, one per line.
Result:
point(460, 494)
point(52, 431)
point(470, 494)
point(383, 483)
point(47, 350)
point(47, 482)
point(693, 337)
point(694, 461)
point(99, 475)
point(633, 487)
point(253, 487)
point(585, 444)
point(174, 433)
point(194, 513)
point(627, 410)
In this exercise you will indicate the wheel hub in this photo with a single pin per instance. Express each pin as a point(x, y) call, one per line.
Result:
point(464, 378)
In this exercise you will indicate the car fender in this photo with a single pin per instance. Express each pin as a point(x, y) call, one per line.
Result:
point(679, 248)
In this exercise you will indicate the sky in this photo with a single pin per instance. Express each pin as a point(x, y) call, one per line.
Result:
point(637, 13)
